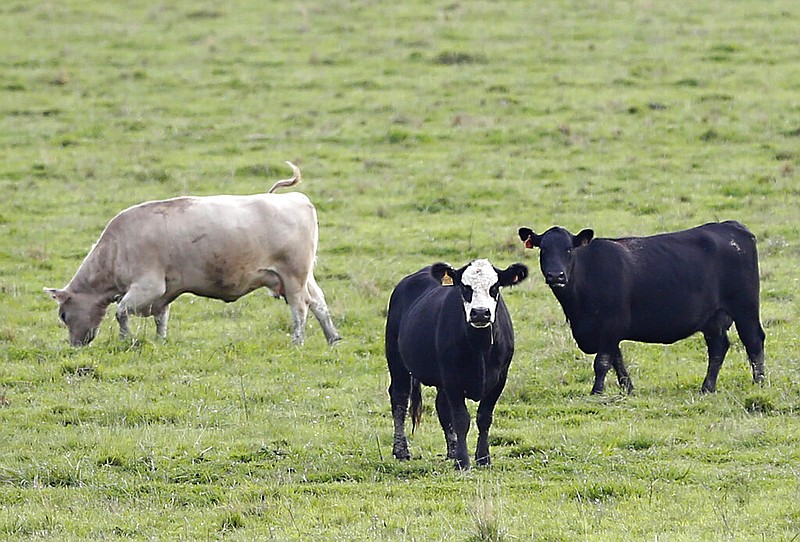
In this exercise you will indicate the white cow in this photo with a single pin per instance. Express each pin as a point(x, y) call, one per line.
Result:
point(221, 247)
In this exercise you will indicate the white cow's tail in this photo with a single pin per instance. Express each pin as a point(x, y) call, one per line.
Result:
point(297, 179)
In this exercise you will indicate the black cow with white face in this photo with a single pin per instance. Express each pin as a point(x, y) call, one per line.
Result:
point(450, 328)
point(657, 289)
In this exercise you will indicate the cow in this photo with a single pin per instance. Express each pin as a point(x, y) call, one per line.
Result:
point(657, 289)
point(449, 328)
point(221, 247)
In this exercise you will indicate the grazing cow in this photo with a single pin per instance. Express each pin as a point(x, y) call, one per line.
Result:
point(657, 289)
point(221, 247)
point(458, 339)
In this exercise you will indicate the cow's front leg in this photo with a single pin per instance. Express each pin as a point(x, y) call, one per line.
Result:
point(446, 421)
point(718, 343)
point(485, 415)
point(122, 320)
point(602, 363)
point(139, 299)
point(623, 378)
point(460, 420)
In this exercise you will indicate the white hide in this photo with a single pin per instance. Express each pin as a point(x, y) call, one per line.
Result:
point(480, 276)
point(221, 247)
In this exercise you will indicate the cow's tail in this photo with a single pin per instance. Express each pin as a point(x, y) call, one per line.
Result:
point(416, 404)
point(297, 179)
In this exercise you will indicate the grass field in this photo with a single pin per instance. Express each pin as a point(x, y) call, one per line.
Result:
point(425, 132)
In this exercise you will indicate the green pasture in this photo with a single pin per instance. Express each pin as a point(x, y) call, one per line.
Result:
point(425, 131)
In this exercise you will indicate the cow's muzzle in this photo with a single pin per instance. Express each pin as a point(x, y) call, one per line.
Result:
point(480, 317)
point(555, 279)
point(83, 340)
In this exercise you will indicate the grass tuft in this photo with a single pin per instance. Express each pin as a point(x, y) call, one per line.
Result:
point(453, 58)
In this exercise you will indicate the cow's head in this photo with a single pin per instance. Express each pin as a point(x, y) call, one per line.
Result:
point(81, 314)
point(479, 283)
point(556, 246)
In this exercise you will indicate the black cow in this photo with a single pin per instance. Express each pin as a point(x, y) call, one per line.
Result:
point(657, 289)
point(458, 339)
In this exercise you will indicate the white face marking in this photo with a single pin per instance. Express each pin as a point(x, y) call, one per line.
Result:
point(480, 276)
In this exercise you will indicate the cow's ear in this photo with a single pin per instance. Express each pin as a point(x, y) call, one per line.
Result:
point(529, 237)
point(444, 273)
point(514, 274)
point(58, 295)
point(583, 238)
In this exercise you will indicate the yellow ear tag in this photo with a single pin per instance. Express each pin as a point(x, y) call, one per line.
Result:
point(447, 280)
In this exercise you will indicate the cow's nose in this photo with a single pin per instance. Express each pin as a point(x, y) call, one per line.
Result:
point(479, 315)
point(555, 277)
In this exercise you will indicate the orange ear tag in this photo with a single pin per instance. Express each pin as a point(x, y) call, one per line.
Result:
point(447, 280)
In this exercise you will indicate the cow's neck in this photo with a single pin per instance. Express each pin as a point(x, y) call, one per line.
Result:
point(95, 276)
point(476, 368)
point(481, 339)
point(569, 300)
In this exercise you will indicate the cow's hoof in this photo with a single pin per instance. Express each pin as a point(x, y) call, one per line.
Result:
point(401, 454)
point(334, 340)
point(708, 389)
point(461, 464)
point(626, 385)
point(484, 461)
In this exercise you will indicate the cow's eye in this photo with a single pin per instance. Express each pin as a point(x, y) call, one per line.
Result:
point(466, 293)
point(494, 291)
point(63, 316)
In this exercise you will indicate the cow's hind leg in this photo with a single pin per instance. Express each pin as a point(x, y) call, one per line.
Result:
point(299, 316)
point(297, 297)
point(484, 419)
point(716, 335)
point(752, 335)
point(446, 421)
point(399, 391)
point(320, 310)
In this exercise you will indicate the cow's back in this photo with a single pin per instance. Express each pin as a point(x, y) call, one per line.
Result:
point(414, 324)
point(709, 262)
point(191, 240)
point(404, 295)
point(665, 287)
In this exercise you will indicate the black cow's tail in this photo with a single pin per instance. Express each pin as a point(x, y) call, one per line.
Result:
point(416, 404)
